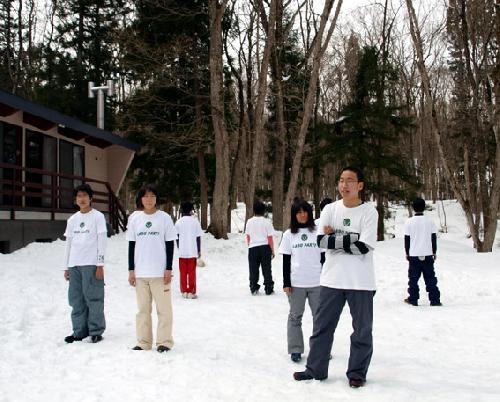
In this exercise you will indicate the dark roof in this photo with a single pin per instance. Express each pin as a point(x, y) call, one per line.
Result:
point(44, 118)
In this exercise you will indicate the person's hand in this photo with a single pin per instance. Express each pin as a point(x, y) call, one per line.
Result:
point(407, 258)
point(99, 273)
point(328, 230)
point(287, 290)
point(434, 256)
point(131, 278)
point(167, 277)
point(273, 255)
point(199, 254)
point(66, 274)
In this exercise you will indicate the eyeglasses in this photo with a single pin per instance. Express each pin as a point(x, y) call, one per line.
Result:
point(348, 182)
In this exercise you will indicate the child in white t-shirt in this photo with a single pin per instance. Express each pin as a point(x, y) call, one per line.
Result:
point(259, 236)
point(301, 272)
point(151, 236)
point(189, 245)
point(86, 236)
point(421, 248)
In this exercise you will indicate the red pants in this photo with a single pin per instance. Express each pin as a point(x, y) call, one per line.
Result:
point(187, 270)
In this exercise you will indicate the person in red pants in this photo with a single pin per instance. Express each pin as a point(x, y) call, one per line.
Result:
point(189, 245)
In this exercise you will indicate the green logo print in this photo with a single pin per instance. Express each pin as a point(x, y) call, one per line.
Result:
point(303, 237)
point(82, 224)
point(347, 222)
point(148, 224)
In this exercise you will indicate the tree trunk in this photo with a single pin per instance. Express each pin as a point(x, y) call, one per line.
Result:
point(220, 199)
point(203, 190)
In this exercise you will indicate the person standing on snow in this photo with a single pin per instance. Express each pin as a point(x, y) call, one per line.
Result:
point(421, 248)
point(259, 237)
point(151, 237)
point(189, 245)
point(86, 236)
point(302, 261)
point(348, 230)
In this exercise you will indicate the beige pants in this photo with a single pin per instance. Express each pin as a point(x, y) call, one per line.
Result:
point(147, 290)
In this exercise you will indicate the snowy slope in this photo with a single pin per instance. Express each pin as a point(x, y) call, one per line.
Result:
point(231, 346)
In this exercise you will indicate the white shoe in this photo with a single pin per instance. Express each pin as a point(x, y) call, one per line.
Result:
point(185, 295)
point(192, 296)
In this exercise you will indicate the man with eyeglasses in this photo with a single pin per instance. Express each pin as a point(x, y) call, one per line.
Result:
point(348, 230)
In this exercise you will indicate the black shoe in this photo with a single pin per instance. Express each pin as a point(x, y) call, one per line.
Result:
point(408, 301)
point(436, 304)
point(296, 357)
point(356, 382)
point(72, 338)
point(269, 291)
point(96, 338)
point(255, 292)
point(137, 348)
point(302, 376)
point(162, 349)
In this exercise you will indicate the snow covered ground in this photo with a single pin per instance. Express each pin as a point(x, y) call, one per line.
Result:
point(231, 346)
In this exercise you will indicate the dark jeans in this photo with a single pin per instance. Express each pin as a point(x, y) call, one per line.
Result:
point(331, 304)
point(86, 296)
point(425, 268)
point(260, 256)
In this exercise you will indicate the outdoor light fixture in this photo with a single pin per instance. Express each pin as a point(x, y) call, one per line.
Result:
point(108, 90)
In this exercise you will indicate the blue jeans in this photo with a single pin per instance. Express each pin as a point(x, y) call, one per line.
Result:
point(417, 268)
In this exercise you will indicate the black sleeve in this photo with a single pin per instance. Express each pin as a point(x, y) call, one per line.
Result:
point(434, 243)
point(198, 244)
point(407, 244)
point(131, 254)
point(323, 258)
point(169, 247)
point(287, 264)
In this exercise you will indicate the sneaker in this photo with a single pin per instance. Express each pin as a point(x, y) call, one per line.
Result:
point(296, 357)
point(302, 376)
point(72, 338)
point(269, 291)
point(255, 292)
point(408, 301)
point(191, 296)
point(137, 348)
point(162, 349)
point(356, 382)
point(184, 295)
point(96, 338)
point(436, 304)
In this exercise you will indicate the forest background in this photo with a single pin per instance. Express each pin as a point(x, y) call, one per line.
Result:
point(233, 100)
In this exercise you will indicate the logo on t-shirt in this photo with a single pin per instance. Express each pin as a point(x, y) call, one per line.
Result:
point(148, 224)
point(347, 222)
point(303, 237)
point(82, 224)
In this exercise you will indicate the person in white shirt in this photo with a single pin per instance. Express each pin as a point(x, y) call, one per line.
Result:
point(86, 236)
point(302, 261)
point(151, 236)
point(348, 230)
point(189, 245)
point(421, 247)
point(259, 237)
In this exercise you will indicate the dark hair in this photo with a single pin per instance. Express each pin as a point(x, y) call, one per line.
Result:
point(186, 207)
point(361, 178)
point(148, 188)
point(324, 203)
point(301, 205)
point(84, 188)
point(259, 208)
point(418, 205)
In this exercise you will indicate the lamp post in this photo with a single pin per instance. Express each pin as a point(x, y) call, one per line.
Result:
point(108, 90)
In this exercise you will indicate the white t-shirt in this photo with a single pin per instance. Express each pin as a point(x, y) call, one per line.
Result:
point(306, 257)
point(83, 230)
point(259, 229)
point(150, 232)
point(348, 271)
point(420, 229)
point(188, 229)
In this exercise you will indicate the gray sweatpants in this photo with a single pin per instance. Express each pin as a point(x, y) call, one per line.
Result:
point(331, 303)
point(297, 301)
point(86, 297)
